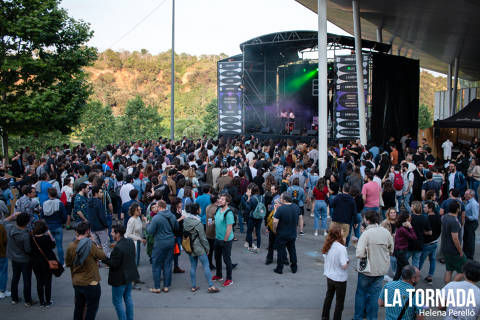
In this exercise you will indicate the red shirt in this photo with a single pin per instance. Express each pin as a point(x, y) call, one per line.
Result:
point(320, 195)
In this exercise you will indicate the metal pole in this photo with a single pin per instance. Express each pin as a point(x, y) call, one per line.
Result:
point(379, 35)
point(322, 88)
point(455, 84)
point(172, 88)
point(359, 66)
point(244, 83)
point(449, 92)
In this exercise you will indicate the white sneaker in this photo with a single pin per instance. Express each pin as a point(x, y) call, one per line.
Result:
point(312, 215)
point(255, 246)
point(325, 233)
point(315, 233)
point(245, 244)
point(2, 295)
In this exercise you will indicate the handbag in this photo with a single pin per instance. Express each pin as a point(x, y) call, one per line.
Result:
point(363, 265)
point(53, 265)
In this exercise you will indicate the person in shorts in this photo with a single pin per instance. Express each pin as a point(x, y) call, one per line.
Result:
point(451, 247)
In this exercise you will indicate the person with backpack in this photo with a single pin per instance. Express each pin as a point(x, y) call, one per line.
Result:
point(55, 216)
point(298, 197)
point(250, 200)
point(224, 220)
point(199, 245)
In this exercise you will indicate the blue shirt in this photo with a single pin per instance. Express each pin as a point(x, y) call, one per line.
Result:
point(471, 210)
point(387, 295)
point(203, 201)
point(222, 220)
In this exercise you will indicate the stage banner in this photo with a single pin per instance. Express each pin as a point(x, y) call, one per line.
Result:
point(346, 102)
point(230, 115)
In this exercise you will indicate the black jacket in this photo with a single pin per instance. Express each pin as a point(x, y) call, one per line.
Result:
point(123, 268)
point(96, 215)
point(345, 209)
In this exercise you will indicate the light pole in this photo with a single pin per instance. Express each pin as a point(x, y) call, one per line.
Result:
point(172, 85)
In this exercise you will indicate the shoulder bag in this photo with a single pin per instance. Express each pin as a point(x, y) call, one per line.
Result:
point(53, 265)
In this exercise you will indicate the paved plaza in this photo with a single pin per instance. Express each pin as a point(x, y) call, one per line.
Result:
point(257, 293)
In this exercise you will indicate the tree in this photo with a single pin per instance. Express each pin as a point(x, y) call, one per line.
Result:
point(140, 121)
point(97, 125)
point(425, 117)
point(42, 52)
point(210, 119)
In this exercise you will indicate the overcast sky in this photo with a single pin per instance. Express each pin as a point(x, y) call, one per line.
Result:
point(201, 26)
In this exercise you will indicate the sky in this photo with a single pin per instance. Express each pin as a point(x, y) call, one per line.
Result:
point(201, 26)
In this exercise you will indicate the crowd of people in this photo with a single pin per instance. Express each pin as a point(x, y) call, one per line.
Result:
point(396, 203)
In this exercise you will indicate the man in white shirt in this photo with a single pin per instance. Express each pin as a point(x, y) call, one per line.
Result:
point(447, 149)
point(471, 271)
point(126, 188)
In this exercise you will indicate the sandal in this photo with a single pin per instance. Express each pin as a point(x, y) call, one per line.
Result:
point(213, 290)
point(195, 289)
point(153, 290)
point(165, 290)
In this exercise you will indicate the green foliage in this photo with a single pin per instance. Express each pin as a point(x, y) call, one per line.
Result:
point(38, 142)
point(97, 125)
point(140, 121)
point(425, 117)
point(210, 119)
point(42, 55)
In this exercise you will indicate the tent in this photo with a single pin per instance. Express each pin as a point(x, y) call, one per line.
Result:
point(468, 117)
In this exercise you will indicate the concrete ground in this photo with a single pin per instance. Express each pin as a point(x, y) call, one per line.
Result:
point(257, 292)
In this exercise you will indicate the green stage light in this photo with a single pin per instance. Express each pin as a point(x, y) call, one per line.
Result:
point(349, 68)
point(304, 70)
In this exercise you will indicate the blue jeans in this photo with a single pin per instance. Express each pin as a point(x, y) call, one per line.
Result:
point(415, 258)
point(356, 231)
point(365, 209)
point(138, 243)
point(162, 258)
point(430, 251)
point(320, 212)
point(406, 201)
point(257, 224)
point(109, 224)
point(3, 274)
point(475, 185)
point(123, 292)
point(240, 221)
point(399, 202)
point(206, 269)
point(58, 236)
point(393, 264)
point(330, 201)
point(366, 296)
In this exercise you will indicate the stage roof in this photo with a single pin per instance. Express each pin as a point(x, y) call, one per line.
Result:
point(284, 46)
point(433, 31)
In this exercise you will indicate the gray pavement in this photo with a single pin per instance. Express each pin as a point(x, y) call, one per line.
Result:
point(257, 292)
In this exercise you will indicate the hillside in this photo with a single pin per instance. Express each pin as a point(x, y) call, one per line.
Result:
point(428, 85)
point(117, 77)
point(120, 76)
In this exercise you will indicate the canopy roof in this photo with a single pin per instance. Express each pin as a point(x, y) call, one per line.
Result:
point(432, 31)
point(468, 117)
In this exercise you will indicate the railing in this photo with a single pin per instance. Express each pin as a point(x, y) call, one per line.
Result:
point(464, 97)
